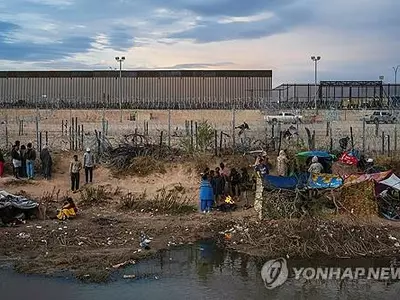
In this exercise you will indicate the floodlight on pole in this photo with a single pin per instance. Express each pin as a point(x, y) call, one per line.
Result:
point(315, 59)
point(120, 60)
point(395, 69)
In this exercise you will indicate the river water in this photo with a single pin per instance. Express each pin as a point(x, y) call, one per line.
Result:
point(199, 271)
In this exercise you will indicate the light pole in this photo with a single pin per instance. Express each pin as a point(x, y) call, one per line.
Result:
point(395, 69)
point(315, 59)
point(120, 60)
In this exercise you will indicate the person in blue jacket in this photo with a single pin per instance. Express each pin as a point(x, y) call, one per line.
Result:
point(206, 194)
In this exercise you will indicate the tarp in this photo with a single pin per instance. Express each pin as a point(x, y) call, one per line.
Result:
point(286, 182)
point(325, 181)
point(350, 158)
point(393, 181)
point(353, 179)
point(303, 181)
point(10, 200)
point(319, 154)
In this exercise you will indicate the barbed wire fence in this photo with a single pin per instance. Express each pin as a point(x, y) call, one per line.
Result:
point(72, 129)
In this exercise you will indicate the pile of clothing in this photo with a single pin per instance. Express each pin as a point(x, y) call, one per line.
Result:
point(16, 209)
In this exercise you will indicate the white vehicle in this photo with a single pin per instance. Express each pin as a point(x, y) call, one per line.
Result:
point(284, 117)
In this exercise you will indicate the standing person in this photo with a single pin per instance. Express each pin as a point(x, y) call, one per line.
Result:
point(211, 178)
point(206, 194)
point(219, 185)
point(1, 163)
point(282, 164)
point(30, 161)
point(235, 182)
point(16, 160)
point(88, 164)
point(14, 147)
point(225, 173)
point(261, 169)
point(47, 162)
point(74, 170)
point(315, 167)
point(23, 161)
point(245, 185)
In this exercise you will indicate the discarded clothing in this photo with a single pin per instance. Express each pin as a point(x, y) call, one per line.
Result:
point(14, 208)
point(144, 241)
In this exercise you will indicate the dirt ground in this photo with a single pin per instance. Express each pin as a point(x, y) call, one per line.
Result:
point(103, 236)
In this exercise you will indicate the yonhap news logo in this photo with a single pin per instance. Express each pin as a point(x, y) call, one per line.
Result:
point(275, 273)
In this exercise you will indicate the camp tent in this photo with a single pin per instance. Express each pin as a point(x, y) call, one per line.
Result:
point(393, 181)
point(319, 154)
point(324, 158)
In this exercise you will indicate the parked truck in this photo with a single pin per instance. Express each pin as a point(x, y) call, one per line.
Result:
point(381, 117)
point(284, 117)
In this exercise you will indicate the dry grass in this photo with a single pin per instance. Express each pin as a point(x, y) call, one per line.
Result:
point(141, 166)
point(90, 196)
point(172, 201)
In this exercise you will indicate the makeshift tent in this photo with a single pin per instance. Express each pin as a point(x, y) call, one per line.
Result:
point(319, 154)
point(393, 181)
point(324, 158)
point(303, 181)
point(354, 179)
point(325, 181)
point(350, 157)
point(286, 182)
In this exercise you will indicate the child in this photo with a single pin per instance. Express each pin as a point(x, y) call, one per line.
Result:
point(206, 194)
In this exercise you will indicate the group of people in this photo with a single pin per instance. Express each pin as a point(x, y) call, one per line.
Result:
point(75, 168)
point(223, 183)
point(220, 184)
point(23, 160)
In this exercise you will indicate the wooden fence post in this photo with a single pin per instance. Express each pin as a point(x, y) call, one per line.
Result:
point(351, 137)
point(215, 143)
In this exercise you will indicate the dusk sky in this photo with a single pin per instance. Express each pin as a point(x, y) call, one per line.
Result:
point(357, 39)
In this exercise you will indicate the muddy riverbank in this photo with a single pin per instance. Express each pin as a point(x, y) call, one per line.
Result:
point(94, 245)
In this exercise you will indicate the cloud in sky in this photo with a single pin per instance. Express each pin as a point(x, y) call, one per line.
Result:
point(357, 39)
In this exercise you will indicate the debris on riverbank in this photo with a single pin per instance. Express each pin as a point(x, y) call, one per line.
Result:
point(113, 212)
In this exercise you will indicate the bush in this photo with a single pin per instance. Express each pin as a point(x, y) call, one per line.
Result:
point(205, 138)
point(142, 166)
point(94, 195)
point(172, 202)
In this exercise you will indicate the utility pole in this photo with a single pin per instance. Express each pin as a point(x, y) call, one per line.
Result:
point(395, 69)
point(120, 60)
point(315, 59)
